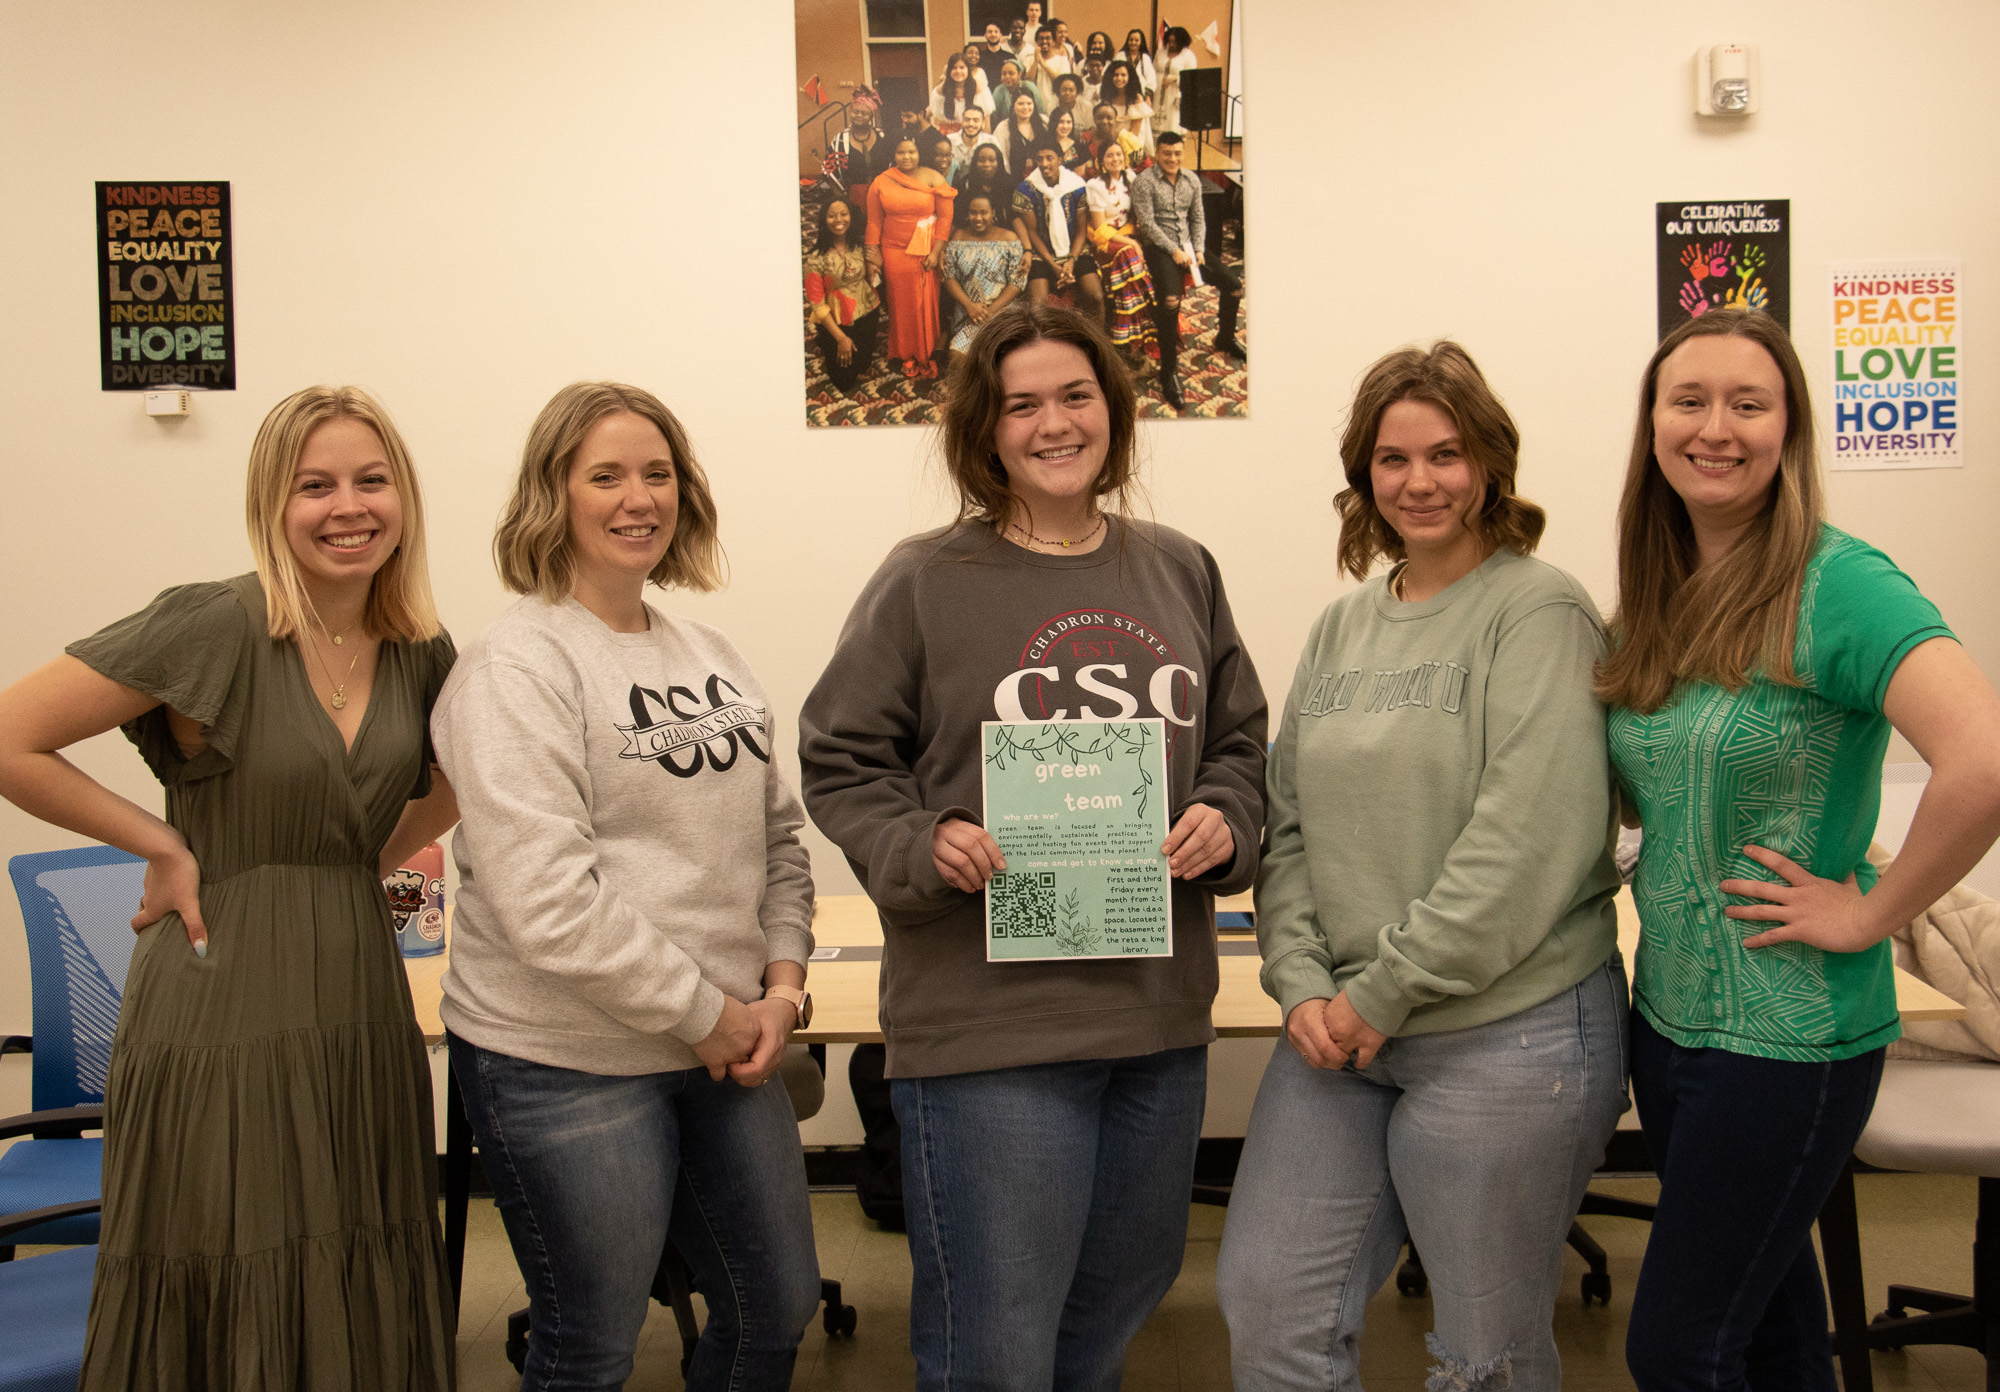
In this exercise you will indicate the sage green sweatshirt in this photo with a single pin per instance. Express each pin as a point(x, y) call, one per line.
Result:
point(1441, 809)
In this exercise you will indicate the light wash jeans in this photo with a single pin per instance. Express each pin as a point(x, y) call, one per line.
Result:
point(592, 1172)
point(1048, 1210)
point(1476, 1143)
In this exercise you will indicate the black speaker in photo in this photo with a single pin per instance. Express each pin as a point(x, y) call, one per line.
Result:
point(1201, 99)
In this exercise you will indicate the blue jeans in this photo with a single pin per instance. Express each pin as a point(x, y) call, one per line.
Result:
point(1048, 1210)
point(593, 1173)
point(1477, 1143)
point(1747, 1149)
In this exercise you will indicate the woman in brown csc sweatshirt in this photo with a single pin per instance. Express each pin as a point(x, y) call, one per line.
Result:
point(1049, 1110)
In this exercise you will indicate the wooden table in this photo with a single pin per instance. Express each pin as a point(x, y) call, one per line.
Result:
point(843, 988)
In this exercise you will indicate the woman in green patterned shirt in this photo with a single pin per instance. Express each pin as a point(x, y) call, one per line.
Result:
point(1759, 660)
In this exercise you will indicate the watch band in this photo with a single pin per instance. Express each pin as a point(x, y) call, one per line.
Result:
point(801, 1001)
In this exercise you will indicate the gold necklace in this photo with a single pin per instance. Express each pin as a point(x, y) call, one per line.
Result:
point(1044, 541)
point(339, 698)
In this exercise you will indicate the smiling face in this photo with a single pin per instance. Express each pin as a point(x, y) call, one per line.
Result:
point(1719, 423)
point(1024, 108)
point(979, 215)
point(1135, 42)
point(1054, 427)
point(1049, 162)
point(1425, 487)
point(993, 36)
point(986, 161)
point(1117, 83)
point(343, 516)
point(907, 156)
point(1105, 121)
point(1065, 125)
point(1167, 154)
point(1068, 89)
point(1112, 160)
point(973, 120)
point(624, 498)
point(956, 71)
point(839, 217)
point(1045, 42)
point(1098, 46)
point(940, 157)
point(1010, 74)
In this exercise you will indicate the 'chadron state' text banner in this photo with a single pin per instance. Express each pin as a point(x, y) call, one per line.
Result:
point(165, 307)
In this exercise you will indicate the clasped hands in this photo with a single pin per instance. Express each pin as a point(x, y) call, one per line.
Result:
point(748, 1041)
point(1331, 1033)
point(967, 856)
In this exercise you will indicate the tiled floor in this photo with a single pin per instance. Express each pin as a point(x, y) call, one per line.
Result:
point(1915, 1229)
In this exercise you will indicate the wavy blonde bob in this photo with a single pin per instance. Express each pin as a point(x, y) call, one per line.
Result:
point(1678, 619)
point(1446, 377)
point(399, 597)
point(975, 395)
point(532, 546)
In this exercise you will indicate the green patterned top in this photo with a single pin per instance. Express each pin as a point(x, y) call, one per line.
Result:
point(1795, 769)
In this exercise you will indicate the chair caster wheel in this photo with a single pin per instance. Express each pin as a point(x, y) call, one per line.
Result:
point(839, 1321)
point(1888, 1316)
point(1596, 1286)
point(1411, 1281)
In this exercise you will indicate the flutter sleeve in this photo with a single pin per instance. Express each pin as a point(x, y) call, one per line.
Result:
point(435, 661)
point(189, 650)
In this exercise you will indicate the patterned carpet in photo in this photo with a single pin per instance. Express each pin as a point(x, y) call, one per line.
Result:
point(1212, 384)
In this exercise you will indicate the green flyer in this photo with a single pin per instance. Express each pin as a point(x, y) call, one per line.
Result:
point(1079, 810)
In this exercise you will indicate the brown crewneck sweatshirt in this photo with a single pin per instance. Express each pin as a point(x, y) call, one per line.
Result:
point(957, 628)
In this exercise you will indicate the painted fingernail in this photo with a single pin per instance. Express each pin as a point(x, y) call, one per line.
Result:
point(201, 948)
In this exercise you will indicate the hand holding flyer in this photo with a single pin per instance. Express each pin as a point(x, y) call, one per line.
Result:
point(1078, 809)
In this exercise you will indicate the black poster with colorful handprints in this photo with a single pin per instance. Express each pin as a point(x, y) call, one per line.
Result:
point(1714, 254)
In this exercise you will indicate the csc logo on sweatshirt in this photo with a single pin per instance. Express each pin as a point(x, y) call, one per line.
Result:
point(1097, 664)
point(684, 738)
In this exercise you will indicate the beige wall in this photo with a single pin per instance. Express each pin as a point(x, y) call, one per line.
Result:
point(466, 206)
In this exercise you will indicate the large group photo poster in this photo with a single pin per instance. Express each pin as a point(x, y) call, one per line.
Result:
point(958, 155)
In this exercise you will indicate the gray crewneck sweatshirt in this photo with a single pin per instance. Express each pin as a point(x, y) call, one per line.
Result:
point(629, 852)
point(956, 628)
point(1441, 815)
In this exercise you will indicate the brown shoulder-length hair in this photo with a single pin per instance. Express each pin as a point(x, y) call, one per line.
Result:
point(399, 597)
point(1444, 376)
point(1676, 619)
point(531, 546)
point(975, 396)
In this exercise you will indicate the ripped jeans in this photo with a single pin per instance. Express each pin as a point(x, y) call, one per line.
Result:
point(1477, 1143)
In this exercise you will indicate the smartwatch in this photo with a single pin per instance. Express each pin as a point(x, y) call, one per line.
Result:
point(802, 1001)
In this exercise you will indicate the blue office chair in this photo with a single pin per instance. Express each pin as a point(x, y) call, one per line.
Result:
point(77, 906)
point(44, 1305)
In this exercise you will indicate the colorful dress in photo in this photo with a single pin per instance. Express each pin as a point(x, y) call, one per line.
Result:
point(1128, 289)
point(982, 270)
point(905, 219)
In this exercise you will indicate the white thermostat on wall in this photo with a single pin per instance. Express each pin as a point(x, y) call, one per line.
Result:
point(169, 403)
point(1727, 80)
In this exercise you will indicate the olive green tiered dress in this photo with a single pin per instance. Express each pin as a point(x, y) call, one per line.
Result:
point(269, 1212)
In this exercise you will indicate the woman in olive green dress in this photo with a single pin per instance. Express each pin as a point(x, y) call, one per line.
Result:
point(269, 1220)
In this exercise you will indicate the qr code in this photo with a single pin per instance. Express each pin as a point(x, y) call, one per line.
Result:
point(1024, 905)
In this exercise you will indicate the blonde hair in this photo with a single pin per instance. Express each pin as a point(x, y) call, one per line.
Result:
point(1444, 376)
point(399, 597)
point(1677, 619)
point(531, 547)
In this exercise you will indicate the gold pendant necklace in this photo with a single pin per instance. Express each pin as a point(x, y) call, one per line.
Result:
point(339, 698)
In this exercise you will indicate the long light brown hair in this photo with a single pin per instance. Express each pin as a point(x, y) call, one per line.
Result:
point(972, 409)
point(1444, 376)
point(531, 546)
point(1678, 620)
point(399, 597)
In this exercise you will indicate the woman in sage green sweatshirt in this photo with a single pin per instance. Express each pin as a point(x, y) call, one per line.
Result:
point(1435, 916)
